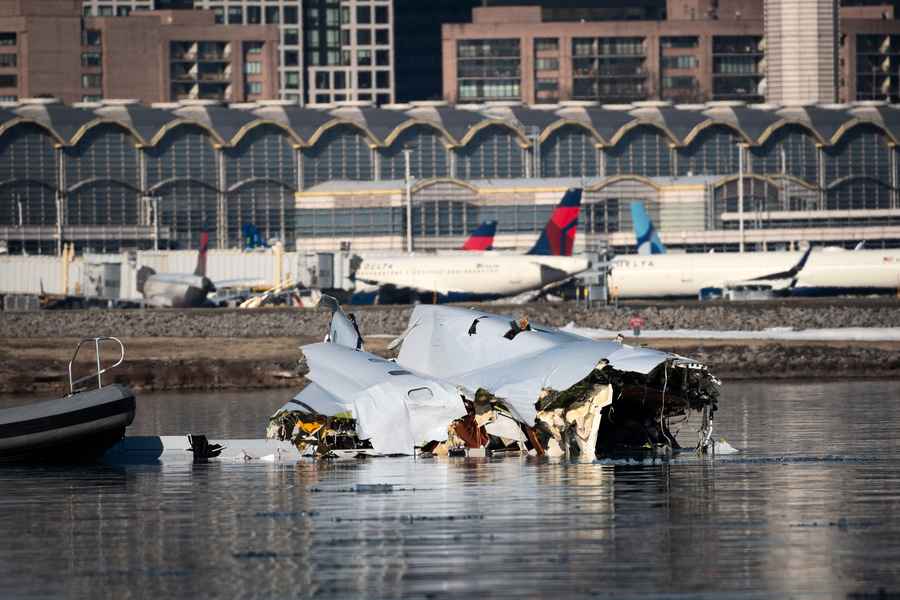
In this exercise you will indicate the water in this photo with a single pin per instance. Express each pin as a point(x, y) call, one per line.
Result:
point(808, 510)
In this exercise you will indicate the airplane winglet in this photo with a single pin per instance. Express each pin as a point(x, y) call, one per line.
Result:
point(790, 273)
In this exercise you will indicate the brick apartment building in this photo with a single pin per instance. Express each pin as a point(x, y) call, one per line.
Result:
point(328, 50)
point(48, 49)
point(703, 50)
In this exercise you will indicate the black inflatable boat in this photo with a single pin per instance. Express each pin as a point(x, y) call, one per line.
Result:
point(77, 428)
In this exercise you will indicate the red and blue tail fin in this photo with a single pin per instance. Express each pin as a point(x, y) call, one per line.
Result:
point(558, 237)
point(482, 238)
point(200, 269)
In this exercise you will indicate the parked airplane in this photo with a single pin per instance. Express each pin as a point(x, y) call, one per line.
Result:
point(478, 276)
point(178, 290)
point(645, 235)
point(826, 272)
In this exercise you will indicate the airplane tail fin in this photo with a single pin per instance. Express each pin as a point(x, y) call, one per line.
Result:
point(482, 238)
point(343, 329)
point(558, 237)
point(201, 258)
point(252, 237)
point(645, 234)
point(143, 275)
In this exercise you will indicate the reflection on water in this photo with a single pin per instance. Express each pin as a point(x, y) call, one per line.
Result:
point(808, 510)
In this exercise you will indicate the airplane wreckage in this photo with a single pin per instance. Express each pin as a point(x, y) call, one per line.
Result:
point(470, 382)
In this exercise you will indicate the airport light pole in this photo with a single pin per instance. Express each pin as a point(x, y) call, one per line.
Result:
point(741, 196)
point(407, 151)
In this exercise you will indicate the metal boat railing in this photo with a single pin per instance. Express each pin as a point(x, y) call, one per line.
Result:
point(100, 369)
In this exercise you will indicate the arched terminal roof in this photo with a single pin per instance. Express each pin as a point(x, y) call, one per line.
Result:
point(607, 124)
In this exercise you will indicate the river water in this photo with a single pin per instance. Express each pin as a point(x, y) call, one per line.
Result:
point(809, 509)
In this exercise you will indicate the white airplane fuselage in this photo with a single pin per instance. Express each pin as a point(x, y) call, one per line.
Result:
point(684, 275)
point(179, 290)
point(470, 275)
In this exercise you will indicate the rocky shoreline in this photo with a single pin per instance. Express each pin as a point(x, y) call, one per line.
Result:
point(231, 349)
point(743, 316)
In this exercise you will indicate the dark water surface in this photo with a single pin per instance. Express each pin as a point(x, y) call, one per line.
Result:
point(810, 509)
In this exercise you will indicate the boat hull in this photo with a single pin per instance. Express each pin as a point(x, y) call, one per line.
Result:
point(77, 428)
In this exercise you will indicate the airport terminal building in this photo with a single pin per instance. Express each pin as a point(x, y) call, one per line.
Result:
point(119, 175)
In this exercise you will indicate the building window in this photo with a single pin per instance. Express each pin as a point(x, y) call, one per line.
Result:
point(8, 60)
point(219, 15)
point(86, 11)
point(340, 80)
point(381, 14)
point(687, 61)
point(322, 81)
point(91, 37)
point(364, 57)
point(253, 68)
point(683, 83)
point(609, 69)
point(546, 64)
point(489, 69)
point(254, 87)
point(382, 58)
point(382, 79)
point(235, 15)
point(546, 45)
point(272, 15)
point(382, 37)
point(91, 80)
point(254, 47)
point(7, 39)
point(736, 68)
point(383, 99)
point(292, 80)
point(9, 81)
point(291, 58)
point(105, 11)
point(681, 41)
point(123, 11)
point(254, 15)
point(333, 17)
point(9, 98)
point(90, 59)
point(364, 80)
point(363, 37)
point(364, 14)
point(291, 37)
point(290, 15)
